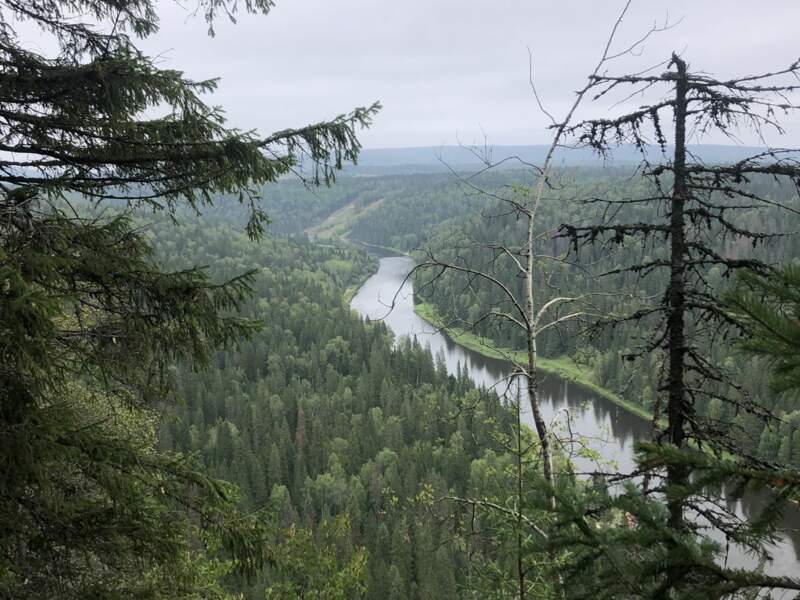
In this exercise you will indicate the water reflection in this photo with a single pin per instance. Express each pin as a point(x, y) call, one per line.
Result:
point(609, 429)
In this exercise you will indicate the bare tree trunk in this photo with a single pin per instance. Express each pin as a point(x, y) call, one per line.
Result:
point(676, 309)
point(520, 479)
point(676, 296)
point(531, 374)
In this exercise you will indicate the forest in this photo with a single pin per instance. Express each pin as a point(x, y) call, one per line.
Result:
point(320, 417)
point(311, 470)
point(423, 212)
point(580, 380)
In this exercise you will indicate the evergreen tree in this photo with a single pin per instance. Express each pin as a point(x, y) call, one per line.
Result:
point(90, 326)
point(767, 306)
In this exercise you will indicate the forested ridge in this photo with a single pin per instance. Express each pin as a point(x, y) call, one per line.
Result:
point(321, 416)
point(190, 409)
point(604, 353)
point(460, 230)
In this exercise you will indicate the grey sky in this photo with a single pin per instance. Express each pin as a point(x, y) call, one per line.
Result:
point(444, 69)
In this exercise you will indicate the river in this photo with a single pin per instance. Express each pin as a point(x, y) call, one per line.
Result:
point(608, 428)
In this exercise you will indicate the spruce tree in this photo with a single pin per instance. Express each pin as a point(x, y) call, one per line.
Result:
point(90, 325)
point(767, 307)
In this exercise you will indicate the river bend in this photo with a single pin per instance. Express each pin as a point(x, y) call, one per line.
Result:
point(608, 428)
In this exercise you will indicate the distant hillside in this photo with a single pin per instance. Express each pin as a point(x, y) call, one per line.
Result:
point(438, 158)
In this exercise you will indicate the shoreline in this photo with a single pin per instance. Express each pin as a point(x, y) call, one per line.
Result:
point(388, 249)
point(563, 367)
point(351, 290)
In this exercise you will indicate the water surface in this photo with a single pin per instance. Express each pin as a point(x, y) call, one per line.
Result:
point(607, 428)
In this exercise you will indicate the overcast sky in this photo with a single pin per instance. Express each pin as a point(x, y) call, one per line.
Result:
point(449, 70)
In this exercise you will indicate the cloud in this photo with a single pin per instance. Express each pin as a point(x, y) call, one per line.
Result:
point(449, 70)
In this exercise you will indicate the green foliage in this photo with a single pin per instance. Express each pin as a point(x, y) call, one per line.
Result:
point(323, 417)
point(91, 328)
point(601, 357)
point(625, 539)
point(586, 537)
point(78, 117)
point(321, 566)
point(768, 308)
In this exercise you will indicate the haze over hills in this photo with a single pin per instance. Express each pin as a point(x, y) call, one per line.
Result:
point(441, 158)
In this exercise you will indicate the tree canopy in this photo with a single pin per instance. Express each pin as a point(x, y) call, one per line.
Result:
point(90, 325)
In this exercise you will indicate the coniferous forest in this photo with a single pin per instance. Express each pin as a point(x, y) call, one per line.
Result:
point(574, 379)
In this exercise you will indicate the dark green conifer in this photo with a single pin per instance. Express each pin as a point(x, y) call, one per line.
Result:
point(767, 306)
point(89, 325)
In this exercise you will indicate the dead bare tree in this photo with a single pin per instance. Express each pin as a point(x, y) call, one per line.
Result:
point(695, 205)
point(538, 307)
point(532, 311)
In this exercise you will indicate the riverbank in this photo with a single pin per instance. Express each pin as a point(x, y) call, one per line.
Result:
point(563, 367)
point(387, 249)
point(351, 291)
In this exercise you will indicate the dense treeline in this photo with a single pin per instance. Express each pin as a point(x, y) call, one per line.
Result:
point(90, 326)
point(320, 416)
point(399, 211)
point(194, 412)
point(411, 213)
point(603, 354)
point(383, 209)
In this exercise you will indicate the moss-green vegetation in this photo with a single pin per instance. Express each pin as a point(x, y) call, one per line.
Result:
point(338, 223)
point(563, 367)
point(351, 291)
point(387, 249)
point(322, 418)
